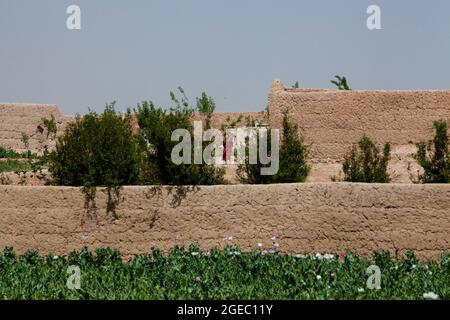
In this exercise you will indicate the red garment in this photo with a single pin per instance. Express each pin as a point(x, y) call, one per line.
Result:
point(227, 148)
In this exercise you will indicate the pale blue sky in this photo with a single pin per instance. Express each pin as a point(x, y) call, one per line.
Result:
point(137, 50)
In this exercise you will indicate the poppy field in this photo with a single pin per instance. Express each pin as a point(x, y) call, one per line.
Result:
point(219, 274)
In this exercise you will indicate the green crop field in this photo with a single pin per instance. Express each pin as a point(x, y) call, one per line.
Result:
point(218, 274)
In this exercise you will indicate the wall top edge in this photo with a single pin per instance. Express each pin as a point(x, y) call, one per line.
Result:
point(307, 185)
point(331, 91)
point(278, 87)
point(28, 104)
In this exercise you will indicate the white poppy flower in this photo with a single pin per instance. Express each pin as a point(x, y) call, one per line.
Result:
point(431, 296)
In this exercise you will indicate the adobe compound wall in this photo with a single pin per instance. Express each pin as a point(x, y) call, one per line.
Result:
point(331, 121)
point(18, 118)
point(305, 218)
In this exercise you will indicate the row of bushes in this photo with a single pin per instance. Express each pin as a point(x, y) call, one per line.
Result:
point(101, 150)
point(104, 150)
point(365, 163)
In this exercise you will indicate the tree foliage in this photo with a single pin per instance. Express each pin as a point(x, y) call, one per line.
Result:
point(96, 150)
point(434, 156)
point(364, 163)
point(157, 126)
point(206, 106)
point(341, 83)
point(293, 165)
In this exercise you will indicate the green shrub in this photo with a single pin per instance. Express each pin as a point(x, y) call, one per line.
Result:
point(292, 160)
point(249, 173)
point(157, 126)
point(434, 156)
point(293, 153)
point(96, 150)
point(364, 163)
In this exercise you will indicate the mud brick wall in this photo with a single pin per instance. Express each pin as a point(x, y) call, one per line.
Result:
point(18, 118)
point(331, 121)
point(305, 218)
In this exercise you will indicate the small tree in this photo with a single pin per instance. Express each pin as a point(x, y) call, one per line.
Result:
point(292, 160)
point(293, 153)
point(250, 173)
point(157, 126)
point(434, 156)
point(341, 83)
point(364, 163)
point(206, 106)
point(96, 150)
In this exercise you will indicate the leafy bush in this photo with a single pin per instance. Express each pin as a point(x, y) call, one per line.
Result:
point(250, 173)
point(293, 153)
point(434, 157)
point(364, 163)
point(293, 166)
point(157, 126)
point(96, 150)
point(218, 275)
